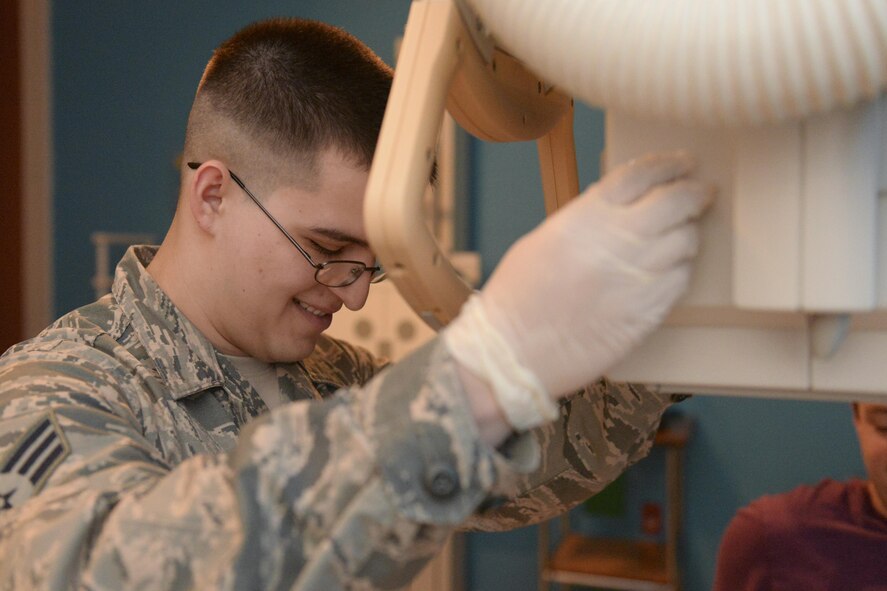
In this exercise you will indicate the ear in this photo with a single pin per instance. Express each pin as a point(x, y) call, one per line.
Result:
point(207, 189)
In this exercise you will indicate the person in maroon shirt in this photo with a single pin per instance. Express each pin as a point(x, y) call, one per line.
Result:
point(831, 536)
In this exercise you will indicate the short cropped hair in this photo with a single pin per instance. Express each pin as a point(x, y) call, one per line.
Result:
point(289, 88)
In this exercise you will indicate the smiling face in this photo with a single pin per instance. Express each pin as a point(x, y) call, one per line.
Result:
point(870, 421)
point(272, 102)
point(266, 303)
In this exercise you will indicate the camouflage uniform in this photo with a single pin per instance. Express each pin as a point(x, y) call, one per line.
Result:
point(132, 456)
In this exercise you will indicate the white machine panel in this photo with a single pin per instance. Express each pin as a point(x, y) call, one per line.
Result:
point(789, 296)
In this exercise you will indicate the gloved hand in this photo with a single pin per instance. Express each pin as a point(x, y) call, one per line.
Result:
point(572, 297)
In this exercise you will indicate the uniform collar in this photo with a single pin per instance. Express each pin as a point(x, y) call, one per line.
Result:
point(184, 358)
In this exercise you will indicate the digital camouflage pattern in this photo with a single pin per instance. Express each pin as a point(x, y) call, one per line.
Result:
point(163, 469)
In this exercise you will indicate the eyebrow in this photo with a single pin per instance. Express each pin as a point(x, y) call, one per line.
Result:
point(339, 236)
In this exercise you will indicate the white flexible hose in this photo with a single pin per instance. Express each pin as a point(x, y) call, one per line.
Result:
point(700, 61)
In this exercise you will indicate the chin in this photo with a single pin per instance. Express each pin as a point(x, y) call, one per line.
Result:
point(292, 354)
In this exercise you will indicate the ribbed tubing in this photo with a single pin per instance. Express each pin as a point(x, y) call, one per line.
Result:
point(708, 62)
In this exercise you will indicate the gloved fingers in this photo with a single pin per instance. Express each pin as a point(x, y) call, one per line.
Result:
point(670, 205)
point(676, 247)
point(634, 178)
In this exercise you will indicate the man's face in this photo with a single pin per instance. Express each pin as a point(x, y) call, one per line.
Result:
point(871, 427)
point(269, 305)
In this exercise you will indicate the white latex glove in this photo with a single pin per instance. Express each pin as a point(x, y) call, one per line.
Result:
point(572, 297)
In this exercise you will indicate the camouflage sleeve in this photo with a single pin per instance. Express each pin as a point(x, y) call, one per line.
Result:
point(601, 431)
point(356, 491)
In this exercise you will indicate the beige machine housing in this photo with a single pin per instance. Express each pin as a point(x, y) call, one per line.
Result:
point(493, 97)
point(789, 298)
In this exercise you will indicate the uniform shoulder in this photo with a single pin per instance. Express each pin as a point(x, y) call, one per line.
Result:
point(82, 325)
point(97, 316)
point(67, 347)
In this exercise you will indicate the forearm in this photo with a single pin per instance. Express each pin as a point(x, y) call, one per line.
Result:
point(602, 430)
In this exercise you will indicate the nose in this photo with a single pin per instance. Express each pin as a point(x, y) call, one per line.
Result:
point(354, 296)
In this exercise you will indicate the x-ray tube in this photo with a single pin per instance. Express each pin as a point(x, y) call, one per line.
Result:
point(700, 61)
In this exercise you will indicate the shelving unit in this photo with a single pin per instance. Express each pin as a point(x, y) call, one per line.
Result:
point(633, 565)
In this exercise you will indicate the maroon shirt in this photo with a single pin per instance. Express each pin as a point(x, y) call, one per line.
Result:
point(813, 538)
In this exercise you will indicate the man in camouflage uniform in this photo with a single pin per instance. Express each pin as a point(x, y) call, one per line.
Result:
point(194, 429)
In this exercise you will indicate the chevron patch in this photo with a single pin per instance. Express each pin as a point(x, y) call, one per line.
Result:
point(26, 467)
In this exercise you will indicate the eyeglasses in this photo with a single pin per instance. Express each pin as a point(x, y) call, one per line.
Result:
point(330, 273)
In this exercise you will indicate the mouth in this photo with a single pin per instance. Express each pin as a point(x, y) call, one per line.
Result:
point(313, 311)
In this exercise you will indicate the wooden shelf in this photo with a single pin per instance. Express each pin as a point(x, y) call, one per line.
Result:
point(625, 564)
point(611, 557)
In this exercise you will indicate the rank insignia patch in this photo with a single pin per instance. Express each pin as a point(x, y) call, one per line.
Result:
point(25, 468)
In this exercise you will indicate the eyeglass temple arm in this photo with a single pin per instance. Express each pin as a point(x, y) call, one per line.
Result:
point(240, 183)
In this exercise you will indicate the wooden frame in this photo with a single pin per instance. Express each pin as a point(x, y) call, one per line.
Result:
point(492, 96)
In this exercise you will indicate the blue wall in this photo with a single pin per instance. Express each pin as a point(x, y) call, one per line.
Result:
point(124, 74)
